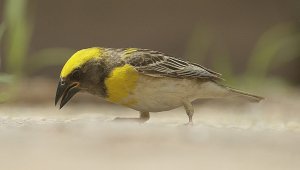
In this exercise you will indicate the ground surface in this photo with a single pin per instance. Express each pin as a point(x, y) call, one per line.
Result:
point(82, 136)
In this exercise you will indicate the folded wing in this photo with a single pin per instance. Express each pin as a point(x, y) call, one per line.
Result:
point(157, 64)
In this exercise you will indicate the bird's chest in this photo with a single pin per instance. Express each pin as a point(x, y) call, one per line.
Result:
point(152, 94)
point(120, 83)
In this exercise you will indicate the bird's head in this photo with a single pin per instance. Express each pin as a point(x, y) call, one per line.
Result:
point(81, 72)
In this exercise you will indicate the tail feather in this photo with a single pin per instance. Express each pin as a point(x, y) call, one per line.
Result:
point(247, 96)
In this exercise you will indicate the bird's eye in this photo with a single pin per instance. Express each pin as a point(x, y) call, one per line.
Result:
point(76, 75)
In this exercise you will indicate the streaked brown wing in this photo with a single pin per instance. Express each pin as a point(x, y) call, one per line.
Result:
point(157, 64)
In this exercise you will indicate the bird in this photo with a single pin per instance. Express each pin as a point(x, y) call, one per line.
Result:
point(141, 79)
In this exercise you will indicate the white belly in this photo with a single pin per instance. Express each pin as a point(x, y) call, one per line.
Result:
point(155, 94)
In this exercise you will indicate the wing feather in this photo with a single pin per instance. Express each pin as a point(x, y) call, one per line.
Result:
point(157, 64)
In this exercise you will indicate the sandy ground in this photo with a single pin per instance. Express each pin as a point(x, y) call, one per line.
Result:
point(82, 136)
point(226, 135)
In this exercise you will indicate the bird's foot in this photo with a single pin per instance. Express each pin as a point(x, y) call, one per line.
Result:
point(189, 124)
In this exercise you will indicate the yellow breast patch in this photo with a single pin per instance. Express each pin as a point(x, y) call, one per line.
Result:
point(120, 84)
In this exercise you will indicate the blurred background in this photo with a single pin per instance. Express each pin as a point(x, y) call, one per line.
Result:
point(255, 44)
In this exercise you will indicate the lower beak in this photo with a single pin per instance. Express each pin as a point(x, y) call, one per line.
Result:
point(65, 91)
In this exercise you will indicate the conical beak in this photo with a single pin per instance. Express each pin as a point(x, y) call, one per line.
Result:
point(65, 91)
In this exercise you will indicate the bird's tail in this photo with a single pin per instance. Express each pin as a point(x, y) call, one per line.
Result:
point(245, 95)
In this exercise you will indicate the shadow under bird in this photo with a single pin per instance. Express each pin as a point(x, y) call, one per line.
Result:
point(141, 79)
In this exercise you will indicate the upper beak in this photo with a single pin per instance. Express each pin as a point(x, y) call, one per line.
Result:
point(65, 91)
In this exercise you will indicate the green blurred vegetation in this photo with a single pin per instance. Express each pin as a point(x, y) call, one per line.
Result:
point(277, 46)
point(17, 30)
point(16, 33)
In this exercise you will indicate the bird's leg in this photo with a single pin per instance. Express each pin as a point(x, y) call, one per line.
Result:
point(144, 116)
point(189, 110)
